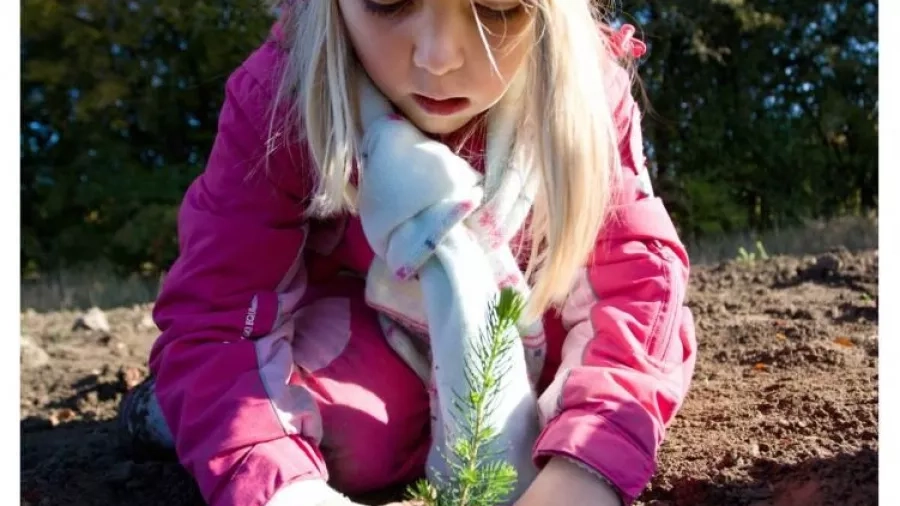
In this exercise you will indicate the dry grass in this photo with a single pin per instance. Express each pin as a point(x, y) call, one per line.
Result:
point(98, 286)
point(854, 233)
point(81, 289)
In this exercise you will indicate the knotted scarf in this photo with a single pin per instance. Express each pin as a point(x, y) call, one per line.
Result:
point(440, 231)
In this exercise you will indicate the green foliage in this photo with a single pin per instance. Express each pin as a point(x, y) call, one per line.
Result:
point(119, 108)
point(478, 477)
point(761, 114)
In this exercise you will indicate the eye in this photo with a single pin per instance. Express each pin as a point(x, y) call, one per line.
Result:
point(498, 14)
point(385, 8)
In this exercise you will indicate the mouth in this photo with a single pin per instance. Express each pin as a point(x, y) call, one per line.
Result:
point(441, 107)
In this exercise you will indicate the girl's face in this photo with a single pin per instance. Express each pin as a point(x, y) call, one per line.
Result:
point(429, 57)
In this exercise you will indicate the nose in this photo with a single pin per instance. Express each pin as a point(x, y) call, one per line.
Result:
point(438, 47)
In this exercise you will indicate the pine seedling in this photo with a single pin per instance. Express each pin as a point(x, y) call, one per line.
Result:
point(477, 476)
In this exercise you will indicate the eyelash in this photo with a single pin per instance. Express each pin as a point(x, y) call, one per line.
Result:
point(380, 9)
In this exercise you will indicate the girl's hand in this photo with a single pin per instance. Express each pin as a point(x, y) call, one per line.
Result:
point(563, 482)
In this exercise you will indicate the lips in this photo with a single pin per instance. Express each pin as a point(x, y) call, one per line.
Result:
point(441, 107)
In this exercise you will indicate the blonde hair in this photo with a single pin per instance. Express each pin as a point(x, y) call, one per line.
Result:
point(564, 127)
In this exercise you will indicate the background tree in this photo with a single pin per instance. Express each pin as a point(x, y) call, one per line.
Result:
point(763, 113)
point(119, 111)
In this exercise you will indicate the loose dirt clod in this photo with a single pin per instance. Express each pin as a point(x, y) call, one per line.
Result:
point(783, 410)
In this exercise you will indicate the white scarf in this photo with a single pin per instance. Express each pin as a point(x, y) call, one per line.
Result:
point(441, 233)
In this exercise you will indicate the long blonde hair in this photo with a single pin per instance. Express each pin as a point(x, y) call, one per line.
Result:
point(565, 127)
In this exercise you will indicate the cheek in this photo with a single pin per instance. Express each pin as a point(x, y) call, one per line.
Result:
point(510, 56)
point(357, 26)
point(513, 56)
point(383, 64)
point(376, 48)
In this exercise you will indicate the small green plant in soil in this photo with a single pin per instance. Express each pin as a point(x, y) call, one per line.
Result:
point(477, 476)
point(749, 258)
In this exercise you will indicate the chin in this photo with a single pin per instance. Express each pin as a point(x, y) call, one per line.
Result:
point(440, 125)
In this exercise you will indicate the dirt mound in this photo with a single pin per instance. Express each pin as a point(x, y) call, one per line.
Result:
point(783, 409)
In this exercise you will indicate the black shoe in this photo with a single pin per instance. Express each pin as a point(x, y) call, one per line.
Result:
point(143, 432)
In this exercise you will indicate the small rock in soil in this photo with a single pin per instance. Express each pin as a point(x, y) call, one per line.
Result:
point(147, 322)
point(93, 319)
point(754, 450)
point(31, 356)
point(61, 416)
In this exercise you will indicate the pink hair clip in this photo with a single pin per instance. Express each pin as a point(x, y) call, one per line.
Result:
point(623, 42)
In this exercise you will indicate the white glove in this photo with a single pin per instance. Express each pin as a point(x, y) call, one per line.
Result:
point(313, 492)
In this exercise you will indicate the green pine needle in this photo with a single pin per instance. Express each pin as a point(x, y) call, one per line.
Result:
point(476, 478)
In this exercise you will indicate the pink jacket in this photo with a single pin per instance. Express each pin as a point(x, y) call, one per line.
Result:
point(622, 350)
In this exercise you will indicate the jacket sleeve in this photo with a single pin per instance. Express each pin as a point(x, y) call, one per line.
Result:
point(223, 363)
point(629, 351)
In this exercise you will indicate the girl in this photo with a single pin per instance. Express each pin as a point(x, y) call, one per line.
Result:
point(379, 165)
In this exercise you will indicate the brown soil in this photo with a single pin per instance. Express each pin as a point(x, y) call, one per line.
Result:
point(783, 411)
